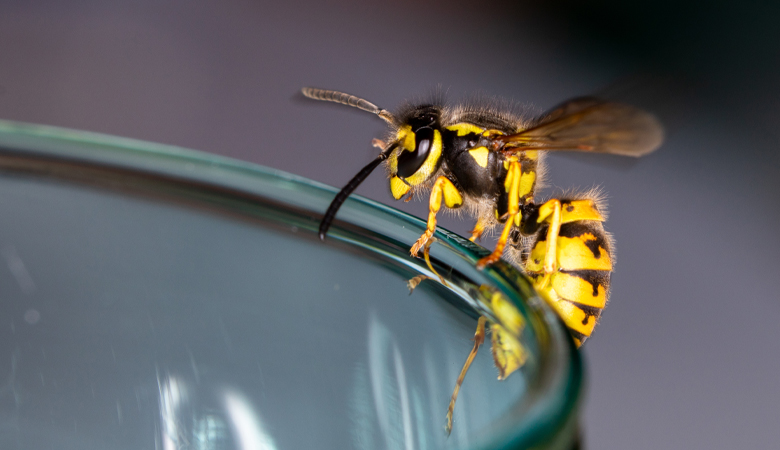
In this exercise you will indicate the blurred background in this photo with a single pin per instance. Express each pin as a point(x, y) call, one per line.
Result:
point(687, 354)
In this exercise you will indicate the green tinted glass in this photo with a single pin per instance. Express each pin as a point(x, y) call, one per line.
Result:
point(155, 297)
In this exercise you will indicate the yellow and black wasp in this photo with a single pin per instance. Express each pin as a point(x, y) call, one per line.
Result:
point(489, 161)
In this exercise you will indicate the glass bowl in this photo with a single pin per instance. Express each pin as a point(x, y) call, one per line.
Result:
point(159, 298)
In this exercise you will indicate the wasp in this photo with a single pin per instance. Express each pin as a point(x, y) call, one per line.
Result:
point(488, 161)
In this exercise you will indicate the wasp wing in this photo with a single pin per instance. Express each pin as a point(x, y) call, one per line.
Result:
point(590, 125)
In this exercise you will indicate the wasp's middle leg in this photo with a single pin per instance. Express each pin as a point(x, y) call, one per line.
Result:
point(512, 187)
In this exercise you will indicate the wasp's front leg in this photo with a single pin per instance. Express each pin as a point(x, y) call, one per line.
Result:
point(443, 189)
point(414, 282)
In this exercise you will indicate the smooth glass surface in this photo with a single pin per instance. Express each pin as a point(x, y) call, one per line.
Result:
point(154, 297)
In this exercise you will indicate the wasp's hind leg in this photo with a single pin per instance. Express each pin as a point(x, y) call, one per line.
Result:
point(479, 339)
point(509, 354)
point(550, 212)
point(571, 259)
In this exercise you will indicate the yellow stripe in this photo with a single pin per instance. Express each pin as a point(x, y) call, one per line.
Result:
point(480, 155)
point(398, 188)
point(580, 210)
point(573, 254)
point(576, 289)
point(571, 315)
point(405, 138)
point(465, 128)
point(574, 318)
point(492, 132)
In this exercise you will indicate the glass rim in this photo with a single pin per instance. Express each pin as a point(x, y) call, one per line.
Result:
point(559, 380)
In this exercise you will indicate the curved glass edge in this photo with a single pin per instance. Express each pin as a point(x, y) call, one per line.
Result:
point(548, 424)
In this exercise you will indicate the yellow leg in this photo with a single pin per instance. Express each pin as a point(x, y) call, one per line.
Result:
point(427, 257)
point(414, 282)
point(479, 228)
point(513, 188)
point(434, 204)
point(479, 338)
point(551, 209)
point(442, 189)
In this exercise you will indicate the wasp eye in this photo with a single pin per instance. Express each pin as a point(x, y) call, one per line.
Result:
point(410, 162)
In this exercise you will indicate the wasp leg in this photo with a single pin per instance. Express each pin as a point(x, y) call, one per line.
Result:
point(479, 339)
point(414, 282)
point(479, 228)
point(550, 209)
point(443, 189)
point(427, 257)
point(512, 185)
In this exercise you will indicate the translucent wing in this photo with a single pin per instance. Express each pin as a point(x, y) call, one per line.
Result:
point(590, 125)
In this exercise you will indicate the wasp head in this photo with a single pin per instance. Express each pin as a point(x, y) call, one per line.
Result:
point(417, 156)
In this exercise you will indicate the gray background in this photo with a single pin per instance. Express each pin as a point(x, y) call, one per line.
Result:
point(686, 355)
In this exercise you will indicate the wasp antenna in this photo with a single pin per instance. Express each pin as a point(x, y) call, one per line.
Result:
point(345, 192)
point(349, 100)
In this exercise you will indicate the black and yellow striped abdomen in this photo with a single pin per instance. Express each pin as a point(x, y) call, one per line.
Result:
point(578, 289)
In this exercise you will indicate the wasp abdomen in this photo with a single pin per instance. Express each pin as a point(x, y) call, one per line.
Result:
point(578, 288)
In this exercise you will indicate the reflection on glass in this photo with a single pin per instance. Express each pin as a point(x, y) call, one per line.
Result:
point(200, 417)
point(245, 423)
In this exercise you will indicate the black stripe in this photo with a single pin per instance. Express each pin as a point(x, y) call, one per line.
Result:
point(596, 278)
point(541, 232)
point(577, 229)
point(577, 335)
point(590, 311)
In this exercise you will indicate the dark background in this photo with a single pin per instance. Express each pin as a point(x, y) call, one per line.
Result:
point(687, 354)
